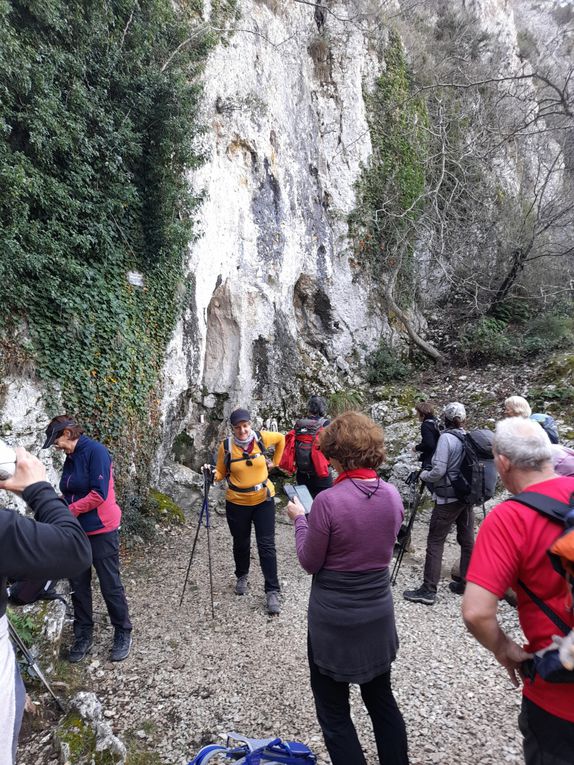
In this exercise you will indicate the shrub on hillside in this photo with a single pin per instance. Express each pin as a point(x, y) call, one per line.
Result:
point(487, 339)
point(385, 365)
point(548, 332)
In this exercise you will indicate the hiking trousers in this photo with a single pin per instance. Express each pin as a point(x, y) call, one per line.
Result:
point(106, 561)
point(312, 481)
point(334, 716)
point(240, 518)
point(442, 519)
point(548, 740)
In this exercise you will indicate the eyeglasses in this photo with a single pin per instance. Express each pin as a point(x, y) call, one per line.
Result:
point(247, 458)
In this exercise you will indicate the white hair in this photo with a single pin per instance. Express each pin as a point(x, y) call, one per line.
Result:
point(518, 406)
point(525, 444)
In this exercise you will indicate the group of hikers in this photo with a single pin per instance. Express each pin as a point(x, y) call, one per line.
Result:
point(346, 541)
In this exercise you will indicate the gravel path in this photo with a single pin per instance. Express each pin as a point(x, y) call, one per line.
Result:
point(191, 678)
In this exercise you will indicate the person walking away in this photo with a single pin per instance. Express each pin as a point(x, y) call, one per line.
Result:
point(448, 510)
point(249, 500)
point(87, 485)
point(511, 552)
point(347, 542)
point(307, 430)
point(50, 546)
point(430, 433)
point(517, 406)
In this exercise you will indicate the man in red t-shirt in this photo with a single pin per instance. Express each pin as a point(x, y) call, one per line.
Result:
point(512, 545)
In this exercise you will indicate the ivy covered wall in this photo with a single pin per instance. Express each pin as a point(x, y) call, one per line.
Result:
point(391, 187)
point(97, 120)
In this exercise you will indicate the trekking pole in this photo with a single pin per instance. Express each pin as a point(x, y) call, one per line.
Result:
point(204, 512)
point(415, 501)
point(31, 662)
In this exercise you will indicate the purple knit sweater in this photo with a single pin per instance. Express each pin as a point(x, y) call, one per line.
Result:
point(348, 531)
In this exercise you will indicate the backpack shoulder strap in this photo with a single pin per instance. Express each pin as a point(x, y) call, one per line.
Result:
point(259, 439)
point(227, 453)
point(554, 509)
point(545, 608)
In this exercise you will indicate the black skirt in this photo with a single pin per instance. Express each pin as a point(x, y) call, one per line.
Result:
point(352, 624)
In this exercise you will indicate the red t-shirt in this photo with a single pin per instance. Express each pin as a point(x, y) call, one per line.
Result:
point(512, 544)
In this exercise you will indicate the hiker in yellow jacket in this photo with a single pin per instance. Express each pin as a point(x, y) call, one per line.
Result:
point(249, 500)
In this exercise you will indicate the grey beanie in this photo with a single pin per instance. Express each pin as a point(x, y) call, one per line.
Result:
point(454, 411)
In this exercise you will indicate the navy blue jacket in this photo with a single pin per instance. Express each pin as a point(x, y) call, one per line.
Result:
point(87, 485)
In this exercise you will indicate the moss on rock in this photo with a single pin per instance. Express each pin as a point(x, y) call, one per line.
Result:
point(164, 509)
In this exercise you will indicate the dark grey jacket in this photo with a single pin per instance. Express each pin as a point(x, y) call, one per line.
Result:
point(53, 546)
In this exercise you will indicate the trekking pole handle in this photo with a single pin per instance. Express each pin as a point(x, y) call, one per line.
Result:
point(208, 472)
point(413, 477)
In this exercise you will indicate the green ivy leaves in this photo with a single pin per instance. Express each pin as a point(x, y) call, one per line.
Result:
point(96, 137)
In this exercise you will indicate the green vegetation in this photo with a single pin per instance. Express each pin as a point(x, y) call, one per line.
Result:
point(390, 190)
point(164, 509)
point(384, 365)
point(25, 625)
point(98, 105)
point(496, 339)
point(345, 400)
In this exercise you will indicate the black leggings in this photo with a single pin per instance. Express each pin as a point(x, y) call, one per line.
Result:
point(240, 518)
point(334, 715)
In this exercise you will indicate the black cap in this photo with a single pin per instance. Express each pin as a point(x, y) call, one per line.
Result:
point(54, 429)
point(239, 415)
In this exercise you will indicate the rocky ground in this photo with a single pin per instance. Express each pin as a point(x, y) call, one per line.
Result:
point(191, 678)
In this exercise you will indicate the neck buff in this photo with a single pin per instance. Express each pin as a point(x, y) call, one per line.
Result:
point(247, 443)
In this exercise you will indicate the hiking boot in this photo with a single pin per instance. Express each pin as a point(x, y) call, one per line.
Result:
point(422, 595)
point(457, 587)
point(81, 648)
point(241, 585)
point(273, 605)
point(122, 645)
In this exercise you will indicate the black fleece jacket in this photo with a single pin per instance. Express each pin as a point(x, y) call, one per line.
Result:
point(430, 434)
point(53, 546)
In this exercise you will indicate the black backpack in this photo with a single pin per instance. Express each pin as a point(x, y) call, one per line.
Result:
point(26, 591)
point(306, 431)
point(476, 481)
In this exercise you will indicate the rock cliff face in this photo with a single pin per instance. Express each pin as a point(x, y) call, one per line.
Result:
point(276, 308)
point(277, 303)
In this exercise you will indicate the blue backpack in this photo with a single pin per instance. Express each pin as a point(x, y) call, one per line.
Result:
point(546, 421)
point(252, 751)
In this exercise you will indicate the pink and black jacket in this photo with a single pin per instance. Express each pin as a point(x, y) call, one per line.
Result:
point(87, 485)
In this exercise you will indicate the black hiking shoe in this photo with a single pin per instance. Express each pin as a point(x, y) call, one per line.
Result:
point(457, 587)
point(241, 585)
point(122, 645)
point(81, 648)
point(421, 595)
point(273, 604)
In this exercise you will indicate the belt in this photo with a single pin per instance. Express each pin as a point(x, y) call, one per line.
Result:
point(257, 487)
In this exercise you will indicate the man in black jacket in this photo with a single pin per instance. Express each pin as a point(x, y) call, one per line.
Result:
point(51, 546)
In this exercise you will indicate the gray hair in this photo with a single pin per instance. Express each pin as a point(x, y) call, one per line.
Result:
point(518, 406)
point(523, 442)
